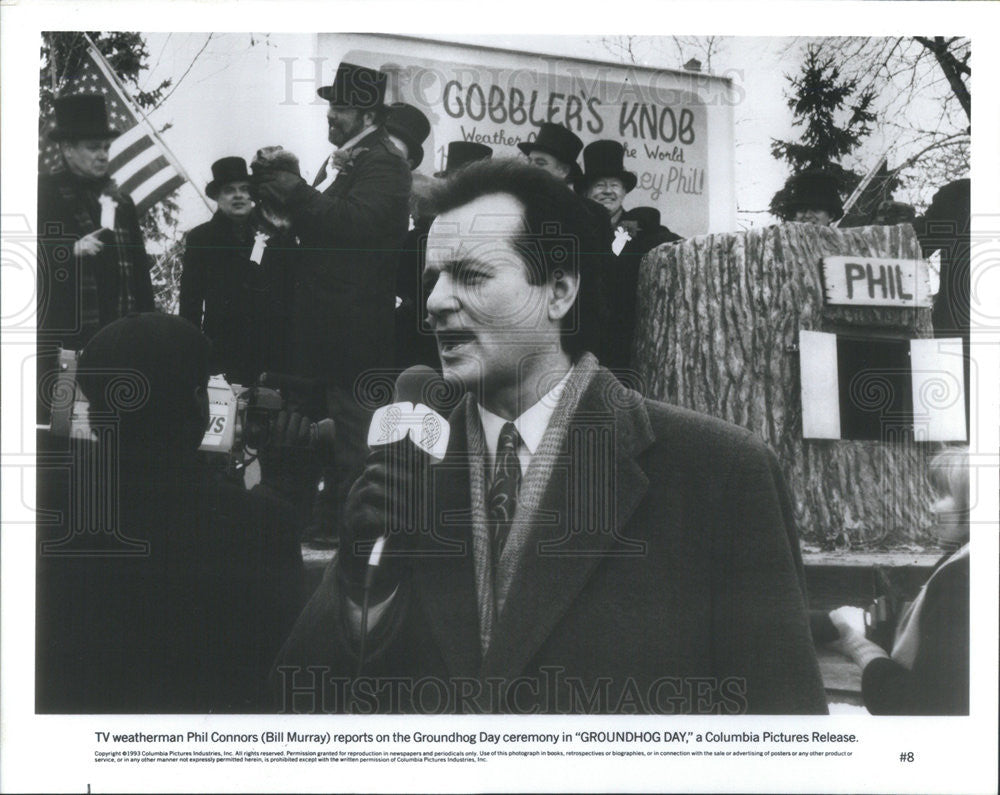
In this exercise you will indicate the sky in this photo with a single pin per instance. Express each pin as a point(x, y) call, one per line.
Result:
point(229, 91)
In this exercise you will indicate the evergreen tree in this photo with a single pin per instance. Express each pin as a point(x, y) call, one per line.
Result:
point(835, 121)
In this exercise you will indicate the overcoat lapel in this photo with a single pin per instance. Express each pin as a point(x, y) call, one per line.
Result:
point(570, 538)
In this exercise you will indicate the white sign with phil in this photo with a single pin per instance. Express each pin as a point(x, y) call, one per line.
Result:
point(876, 281)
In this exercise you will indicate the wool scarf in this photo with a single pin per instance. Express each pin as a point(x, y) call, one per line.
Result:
point(492, 586)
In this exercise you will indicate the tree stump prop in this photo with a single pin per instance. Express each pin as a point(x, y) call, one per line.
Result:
point(717, 331)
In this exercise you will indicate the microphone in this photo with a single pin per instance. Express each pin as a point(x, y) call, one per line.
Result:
point(409, 416)
point(391, 501)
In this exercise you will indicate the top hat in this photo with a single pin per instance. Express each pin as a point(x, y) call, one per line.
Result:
point(461, 153)
point(556, 140)
point(80, 116)
point(951, 202)
point(648, 218)
point(356, 87)
point(813, 190)
point(411, 125)
point(227, 169)
point(604, 159)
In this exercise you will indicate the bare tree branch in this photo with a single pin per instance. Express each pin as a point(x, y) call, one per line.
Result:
point(186, 71)
point(952, 69)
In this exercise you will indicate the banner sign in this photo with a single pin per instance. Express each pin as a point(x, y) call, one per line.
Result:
point(661, 117)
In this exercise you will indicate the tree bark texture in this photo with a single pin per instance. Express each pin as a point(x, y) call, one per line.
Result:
point(717, 331)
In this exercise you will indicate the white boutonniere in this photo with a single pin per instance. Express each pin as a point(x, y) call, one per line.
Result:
point(343, 160)
point(622, 237)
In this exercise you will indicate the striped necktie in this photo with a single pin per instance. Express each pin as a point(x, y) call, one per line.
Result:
point(501, 501)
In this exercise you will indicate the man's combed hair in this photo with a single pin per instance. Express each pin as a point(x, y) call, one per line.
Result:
point(561, 232)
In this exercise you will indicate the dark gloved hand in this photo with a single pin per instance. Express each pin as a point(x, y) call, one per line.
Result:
point(288, 464)
point(381, 503)
point(277, 187)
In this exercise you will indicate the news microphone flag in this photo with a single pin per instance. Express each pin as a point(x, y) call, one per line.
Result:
point(140, 162)
point(881, 389)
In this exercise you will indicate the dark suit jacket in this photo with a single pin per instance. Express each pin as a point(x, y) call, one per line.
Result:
point(622, 295)
point(242, 307)
point(345, 279)
point(667, 579)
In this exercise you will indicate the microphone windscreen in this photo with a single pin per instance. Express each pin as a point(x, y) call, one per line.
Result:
point(412, 384)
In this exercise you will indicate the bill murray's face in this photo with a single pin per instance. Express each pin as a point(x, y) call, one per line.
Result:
point(489, 314)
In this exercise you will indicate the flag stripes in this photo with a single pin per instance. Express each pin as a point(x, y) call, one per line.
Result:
point(124, 151)
point(141, 172)
point(154, 191)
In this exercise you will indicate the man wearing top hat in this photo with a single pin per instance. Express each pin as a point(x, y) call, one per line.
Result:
point(408, 128)
point(645, 233)
point(92, 260)
point(86, 223)
point(461, 153)
point(811, 197)
point(554, 149)
point(606, 182)
point(350, 224)
point(227, 289)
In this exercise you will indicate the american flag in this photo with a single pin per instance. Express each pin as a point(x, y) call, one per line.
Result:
point(139, 163)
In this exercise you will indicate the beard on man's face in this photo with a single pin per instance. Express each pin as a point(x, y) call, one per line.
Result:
point(343, 124)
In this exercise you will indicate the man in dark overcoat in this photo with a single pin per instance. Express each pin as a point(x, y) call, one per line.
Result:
point(92, 259)
point(586, 549)
point(645, 233)
point(234, 285)
point(168, 588)
point(350, 224)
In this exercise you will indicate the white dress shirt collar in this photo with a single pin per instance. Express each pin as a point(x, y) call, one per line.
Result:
point(531, 425)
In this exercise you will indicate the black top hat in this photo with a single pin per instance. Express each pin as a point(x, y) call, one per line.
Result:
point(951, 202)
point(648, 218)
point(356, 87)
point(411, 125)
point(461, 153)
point(813, 189)
point(80, 116)
point(557, 140)
point(604, 159)
point(227, 169)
